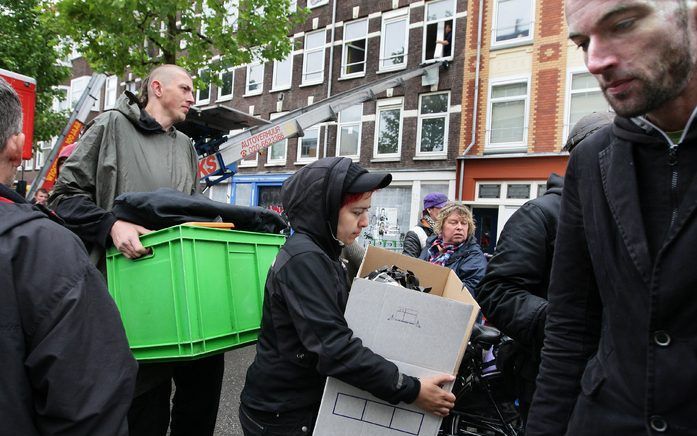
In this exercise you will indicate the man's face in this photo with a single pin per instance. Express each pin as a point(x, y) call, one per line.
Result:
point(353, 217)
point(11, 158)
point(639, 50)
point(177, 95)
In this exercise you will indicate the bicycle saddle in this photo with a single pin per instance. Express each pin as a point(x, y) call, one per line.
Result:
point(485, 335)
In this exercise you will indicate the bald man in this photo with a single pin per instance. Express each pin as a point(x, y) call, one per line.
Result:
point(135, 148)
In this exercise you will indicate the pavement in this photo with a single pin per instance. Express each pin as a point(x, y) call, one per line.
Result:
point(236, 363)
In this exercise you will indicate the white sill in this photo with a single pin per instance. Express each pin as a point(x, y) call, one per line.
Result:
point(353, 76)
point(431, 157)
point(354, 158)
point(279, 89)
point(434, 60)
point(511, 44)
point(306, 84)
point(385, 159)
point(224, 98)
point(493, 149)
point(252, 94)
point(275, 164)
point(304, 162)
point(392, 70)
point(202, 102)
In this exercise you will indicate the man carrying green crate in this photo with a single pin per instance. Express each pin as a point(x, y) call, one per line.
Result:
point(135, 148)
point(65, 366)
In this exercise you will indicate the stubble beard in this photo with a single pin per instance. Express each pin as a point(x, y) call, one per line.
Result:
point(672, 72)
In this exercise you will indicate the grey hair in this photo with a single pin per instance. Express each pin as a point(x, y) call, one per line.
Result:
point(10, 113)
point(455, 207)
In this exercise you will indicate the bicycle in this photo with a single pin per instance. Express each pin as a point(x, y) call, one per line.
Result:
point(485, 399)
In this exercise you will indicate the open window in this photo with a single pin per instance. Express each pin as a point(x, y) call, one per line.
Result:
point(438, 30)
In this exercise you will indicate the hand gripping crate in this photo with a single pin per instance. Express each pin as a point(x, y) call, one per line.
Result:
point(199, 292)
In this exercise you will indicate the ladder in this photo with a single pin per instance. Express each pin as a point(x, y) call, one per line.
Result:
point(49, 172)
point(294, 123)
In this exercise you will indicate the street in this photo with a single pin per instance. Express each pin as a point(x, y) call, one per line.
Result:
point(236, 363)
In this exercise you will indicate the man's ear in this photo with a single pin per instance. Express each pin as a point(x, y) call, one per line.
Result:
point(13, 149)
point(156, 88)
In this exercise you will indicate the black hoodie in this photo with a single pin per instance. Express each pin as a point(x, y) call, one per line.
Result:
point(65, 366)
point(304, 336)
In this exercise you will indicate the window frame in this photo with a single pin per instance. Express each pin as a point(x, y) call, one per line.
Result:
point(260, 90)
point(225, 97)
point(199, 100)
point(511, 42)
point(306, 52)
point(277, 162)
point(316, 5)
point(359, 125)
point(274, 86)
point(344, 51)
point(569, 94)
point(389, 18)
point(304, 160)
point(56, 102)
point(382, 105)
point(422, 117)
point(507, 147)
point(426, 23)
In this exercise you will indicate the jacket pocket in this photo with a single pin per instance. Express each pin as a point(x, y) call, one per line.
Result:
point(593, 377)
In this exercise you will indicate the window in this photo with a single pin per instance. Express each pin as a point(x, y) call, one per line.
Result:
point(308, 146)
point(354, 52)
point(231, 14)
point(512, 21)
point(348, 141)
point(438, 29)
point(388, 128)
point(61, 102)
point(227, 80)
point(110, 91)
point(278, 150)
point(282, 73)
point(433, 124)
point(203, 94)
point(313, 59)
point(508, 114)
point(393, 44)
point(315, 3)
point(77, 88)
point(585, 97)
point(255, 79)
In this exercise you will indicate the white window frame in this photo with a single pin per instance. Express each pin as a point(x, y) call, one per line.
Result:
point(389, 104)
point(260, 89)
point(438, 21)
point(511, 42)
point(422, 117)
point(111, 88)
point(344, 50)
point(245, 163)
point(61, 105)
point(508, 147)
point(311, 51)
point(311, 4)
point(389, 18)
point(570, 92)
point(305, 160)
point(357, 124)
point(200, 101)
point(221, 96)
point(274, 86)
point(75, 86)
point(277, 162)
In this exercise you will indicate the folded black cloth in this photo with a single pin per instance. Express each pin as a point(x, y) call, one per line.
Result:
point(167, 207)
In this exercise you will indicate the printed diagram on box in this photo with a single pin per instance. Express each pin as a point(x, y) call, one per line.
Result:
point(379, 414)
point(407, 316)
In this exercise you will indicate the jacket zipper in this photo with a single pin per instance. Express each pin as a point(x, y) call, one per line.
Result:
point(673, 162)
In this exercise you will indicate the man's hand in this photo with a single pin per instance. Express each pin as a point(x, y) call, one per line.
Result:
point(125, 236)
point(432, 398)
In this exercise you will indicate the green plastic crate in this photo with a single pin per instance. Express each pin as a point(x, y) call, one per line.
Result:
point(200, 292)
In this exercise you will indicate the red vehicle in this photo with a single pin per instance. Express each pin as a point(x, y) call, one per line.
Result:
point(26, 89)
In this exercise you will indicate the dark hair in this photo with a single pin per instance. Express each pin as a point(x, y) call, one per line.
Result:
point(10, 113)
point(41, 190)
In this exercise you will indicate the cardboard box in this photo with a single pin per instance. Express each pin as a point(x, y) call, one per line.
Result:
point(423, 334)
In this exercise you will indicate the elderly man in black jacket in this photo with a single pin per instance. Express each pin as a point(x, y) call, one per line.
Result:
point(619, 351)
point(513, 293)
point(65, 366)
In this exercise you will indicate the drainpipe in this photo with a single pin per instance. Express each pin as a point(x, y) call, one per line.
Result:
point(476, 98)
point(331, 68)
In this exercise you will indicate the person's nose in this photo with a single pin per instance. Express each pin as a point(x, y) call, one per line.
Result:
point(363, 220)
point(600, 56)
point(190, 97)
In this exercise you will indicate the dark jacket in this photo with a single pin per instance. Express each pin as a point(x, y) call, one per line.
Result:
point(513, 293)
point(619, 351)
point(65, 366)
point(468, 262)
point(412, 243)
point(304, 337)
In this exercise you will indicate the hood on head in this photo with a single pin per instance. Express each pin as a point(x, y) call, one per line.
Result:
point(129, 106)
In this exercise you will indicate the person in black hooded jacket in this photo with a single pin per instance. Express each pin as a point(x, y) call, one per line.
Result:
point(304, 336)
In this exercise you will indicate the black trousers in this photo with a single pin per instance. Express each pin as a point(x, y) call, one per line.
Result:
point(195, 403)
point(295, 423)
